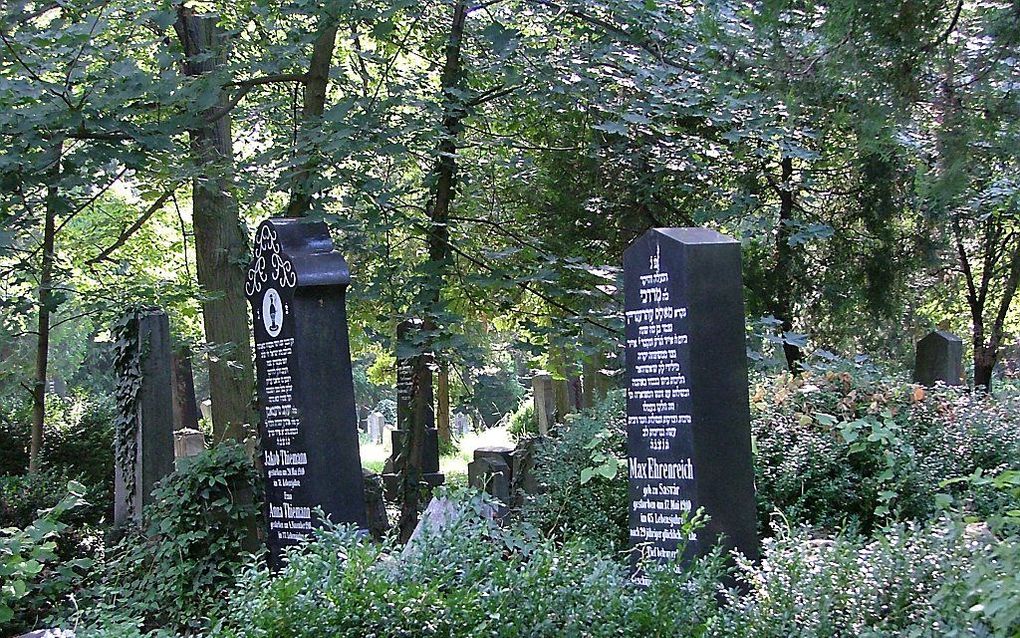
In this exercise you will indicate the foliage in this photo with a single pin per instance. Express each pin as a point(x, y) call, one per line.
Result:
point(910, 580)
point(835, 449)
point(466, 578)
point(583, 496)
point(173, 570)
point(78, 440)
point(523, 422)
point(29, 568)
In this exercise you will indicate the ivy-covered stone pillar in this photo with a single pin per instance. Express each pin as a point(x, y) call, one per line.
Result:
point(143, 430)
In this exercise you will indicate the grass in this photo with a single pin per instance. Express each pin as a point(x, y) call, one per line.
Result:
point(373, 455)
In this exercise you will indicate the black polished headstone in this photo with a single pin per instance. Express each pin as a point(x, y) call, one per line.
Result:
point(688, 420)
point(939, 357)
point(414, 409)
point(152, 436)
point(309, 431)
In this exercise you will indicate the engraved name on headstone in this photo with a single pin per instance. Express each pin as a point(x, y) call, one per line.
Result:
point(296, 285)
point(688, 421)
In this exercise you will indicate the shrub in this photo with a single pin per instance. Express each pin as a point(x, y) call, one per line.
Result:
point(523, 423)
point(32, 578)
point(470, 578)
point(909, 580)
point(578, 502)
point(833, 450)
point(172, 572)
point(78, 438)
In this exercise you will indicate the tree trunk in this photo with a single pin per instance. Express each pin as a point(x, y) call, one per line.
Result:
point(443, 181)
point(42, 350)
point(221, 242)
point(443, 404)
point(985, 359)
point(782, 307)
point(302, 187)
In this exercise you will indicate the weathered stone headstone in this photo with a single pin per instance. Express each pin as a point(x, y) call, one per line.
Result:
point(491, 471)
point(376, 427)
point(545, 401)
point(205, 409)
point(939, 357)
point(57, 387)
point(414, 409)
point(688, 420)
point(188, 443)
point(461, 424)
point(183, 388)
point(144, 444)
point(375, 505)
point(296, 285)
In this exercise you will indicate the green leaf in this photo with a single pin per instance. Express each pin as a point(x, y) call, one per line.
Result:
point(825, 419)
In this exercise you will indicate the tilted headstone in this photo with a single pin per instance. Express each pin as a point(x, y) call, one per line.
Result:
point(144, 444)
point(545, 401)
point(296, 285)
point(688, 420)
point(939, 357)
point(491, 471)
point(414, 409)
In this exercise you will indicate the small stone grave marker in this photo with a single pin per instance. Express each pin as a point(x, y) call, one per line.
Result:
point(939, 357)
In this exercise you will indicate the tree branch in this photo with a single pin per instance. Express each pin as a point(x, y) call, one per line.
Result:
point(130, 230)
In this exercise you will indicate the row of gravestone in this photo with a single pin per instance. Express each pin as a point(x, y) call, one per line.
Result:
point(688, 423)
point(376, 426)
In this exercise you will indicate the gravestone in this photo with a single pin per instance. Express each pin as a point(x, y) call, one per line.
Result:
point(144, 443)
point(57, 387)
point(375, 505)
point(414, 409)
point(491, 471)
point(205, 409)
point(545, 401)
point(376, 427)
point(939, 357)
point(187, 443)
point(688, 420)
point(461, 424)
point(296, 285)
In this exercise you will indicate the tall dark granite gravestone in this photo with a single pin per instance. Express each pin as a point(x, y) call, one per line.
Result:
point(939, 357)
point(414, 409)
point(688, 420)
point(309, 432)
point(144, 444)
